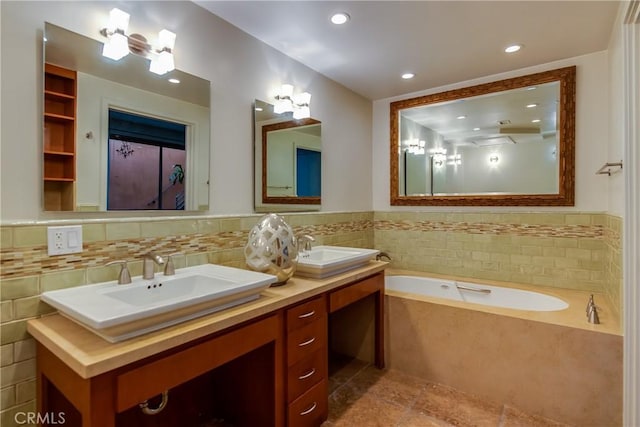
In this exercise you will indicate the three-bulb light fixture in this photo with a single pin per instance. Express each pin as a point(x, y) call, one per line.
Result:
point(119, 45)
point(287, 102)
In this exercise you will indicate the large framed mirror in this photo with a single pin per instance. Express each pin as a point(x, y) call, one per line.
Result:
point(139, 141)
point(288, 160)
point(505, 143)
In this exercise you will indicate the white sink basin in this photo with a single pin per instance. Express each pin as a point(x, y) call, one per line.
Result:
point(325, 261)
point(119, 312)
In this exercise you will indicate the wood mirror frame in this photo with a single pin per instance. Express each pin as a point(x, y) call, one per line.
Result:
point(299, 200)
point(566, 143)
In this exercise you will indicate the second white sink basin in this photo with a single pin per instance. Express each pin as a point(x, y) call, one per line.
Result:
point(326, 261)
point(118, 312)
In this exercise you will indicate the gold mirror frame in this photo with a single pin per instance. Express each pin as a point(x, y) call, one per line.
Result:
point(566, 143)
point(279, 199)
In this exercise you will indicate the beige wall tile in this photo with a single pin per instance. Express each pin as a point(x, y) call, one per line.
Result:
point(14, 331)
point(62, 280)
point(24, 350)
point(6, 237)
point(6, 354)
point(123, 230)
point(17, 372)
point(19, 287)
point(94, 233)
point(25, 391)
point(6, 311)
point(30, 307)
point(7, 397)
point(29, 236)
point(16, 414)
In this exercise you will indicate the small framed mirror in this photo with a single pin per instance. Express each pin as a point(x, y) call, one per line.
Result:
point(288, 161)
point(505, 143)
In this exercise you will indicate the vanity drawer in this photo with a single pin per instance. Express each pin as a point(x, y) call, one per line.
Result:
point(305, 340)
point(310, 409)
point(306, 313)
point(306, 373)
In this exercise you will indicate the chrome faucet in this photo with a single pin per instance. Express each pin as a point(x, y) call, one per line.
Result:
point(304, 243)
point(148, 266)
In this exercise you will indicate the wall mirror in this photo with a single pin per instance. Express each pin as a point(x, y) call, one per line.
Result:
point(288, 161)
point(509, 142)
point(139, 141)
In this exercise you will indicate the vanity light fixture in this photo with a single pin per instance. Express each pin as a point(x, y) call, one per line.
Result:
point(415, 146)
point(287, 102)
point(340, 18)
point(119, 45)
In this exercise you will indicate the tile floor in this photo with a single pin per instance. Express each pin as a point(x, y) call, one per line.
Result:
point(363, 396)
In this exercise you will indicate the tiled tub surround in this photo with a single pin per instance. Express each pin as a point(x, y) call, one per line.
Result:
point(551, 364)
point(564, 250)
point(27, 270)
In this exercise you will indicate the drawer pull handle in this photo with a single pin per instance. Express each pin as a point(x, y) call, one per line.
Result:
point(310, 410)
point(309, 314)
point(308, 374)
point(307, 342)
point(144, 406)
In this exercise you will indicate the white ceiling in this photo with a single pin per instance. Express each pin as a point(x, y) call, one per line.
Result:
point(442, 42)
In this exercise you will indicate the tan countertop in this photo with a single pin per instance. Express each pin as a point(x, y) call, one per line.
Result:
point(89, 355)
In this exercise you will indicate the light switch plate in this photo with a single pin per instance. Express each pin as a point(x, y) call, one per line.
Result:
point(65, 239)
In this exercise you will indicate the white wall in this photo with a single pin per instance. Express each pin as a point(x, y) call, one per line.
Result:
point(240, 69)
point(592, 129)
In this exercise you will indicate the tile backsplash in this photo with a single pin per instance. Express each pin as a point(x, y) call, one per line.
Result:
point(572, 250)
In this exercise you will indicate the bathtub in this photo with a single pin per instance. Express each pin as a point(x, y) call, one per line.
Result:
point(494, 296)
point(514, 345)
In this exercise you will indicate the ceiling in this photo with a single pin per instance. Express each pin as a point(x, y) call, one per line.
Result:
point(442, 42)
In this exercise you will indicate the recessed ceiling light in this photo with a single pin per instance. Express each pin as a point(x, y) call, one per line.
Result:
point(476, 128)
point(535, 121)
point(513, 48)
point(258, 108)
point(461, 117)
point(340, 18)
point(408, 76)
point(174, 81)
point(532, 105)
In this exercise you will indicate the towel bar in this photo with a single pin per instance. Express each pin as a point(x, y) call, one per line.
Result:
point(604, 171)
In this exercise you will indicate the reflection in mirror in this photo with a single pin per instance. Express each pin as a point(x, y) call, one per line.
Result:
point(504, 143)
point(141, 142)
point(288, 160)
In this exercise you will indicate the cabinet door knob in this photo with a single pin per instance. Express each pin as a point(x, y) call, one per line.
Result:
point(308, 374)
point(307, 342)
point(310, 410)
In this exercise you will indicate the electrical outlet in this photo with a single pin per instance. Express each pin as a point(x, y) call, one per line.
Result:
point(64, 239)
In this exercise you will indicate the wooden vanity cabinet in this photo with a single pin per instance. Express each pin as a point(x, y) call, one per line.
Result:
point(306, 359)
point(268, 371)
point(101, 401)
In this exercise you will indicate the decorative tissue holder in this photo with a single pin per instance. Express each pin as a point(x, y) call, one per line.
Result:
point(272, 248)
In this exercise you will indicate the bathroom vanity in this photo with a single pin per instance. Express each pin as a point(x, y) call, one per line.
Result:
point(262, 363)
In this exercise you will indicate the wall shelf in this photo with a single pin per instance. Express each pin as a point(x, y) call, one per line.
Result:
point(59, 150)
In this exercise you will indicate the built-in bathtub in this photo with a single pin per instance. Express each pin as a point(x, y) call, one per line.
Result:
point(475, 293)
point(543, 358)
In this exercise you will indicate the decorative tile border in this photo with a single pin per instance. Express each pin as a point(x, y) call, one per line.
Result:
point(31, 260)
point(535, 230)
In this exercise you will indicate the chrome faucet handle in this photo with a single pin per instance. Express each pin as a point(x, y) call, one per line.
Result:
point(169, 268)
point(124, 278)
